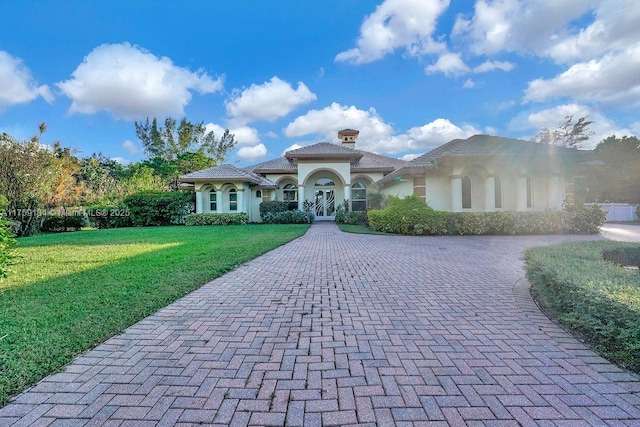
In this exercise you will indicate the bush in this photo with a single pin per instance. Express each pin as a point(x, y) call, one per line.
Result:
point(596, 298)
point(62, 223)
point(216, 219)
point(159, 207)
point(625, 256)
point(7, 243)
point(408, 216)
point(108, 216)
point(583, 219)
point(352, 218)
point(272, 207)
point(288, 217)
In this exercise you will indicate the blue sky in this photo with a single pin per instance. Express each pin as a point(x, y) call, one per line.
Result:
point(409, 74)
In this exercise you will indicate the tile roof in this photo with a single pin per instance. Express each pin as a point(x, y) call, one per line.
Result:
point(486, 145)
point(376, 161)
point(226, 172)
point(280, 163)
point(323, 148)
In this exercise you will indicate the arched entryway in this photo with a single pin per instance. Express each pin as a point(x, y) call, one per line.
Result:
point(327, 192)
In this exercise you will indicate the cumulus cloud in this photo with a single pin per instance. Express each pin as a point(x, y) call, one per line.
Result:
point(409, 157)
point(131, 147)
point(468, 84)
point(612, 79)
point(397, 24)
point(268, 101)
point(131, 83)
point(292, 147)
point(451, 64)
point(244, 135)
point(550, 118)
point(17, 85)
point(252, 153)
point(518, 25)
point(375, 134)
point(494, 65)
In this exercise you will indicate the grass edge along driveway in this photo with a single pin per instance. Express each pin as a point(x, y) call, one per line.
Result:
point(70, 292)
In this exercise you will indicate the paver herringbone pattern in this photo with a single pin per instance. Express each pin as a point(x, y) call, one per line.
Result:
point(339, 329)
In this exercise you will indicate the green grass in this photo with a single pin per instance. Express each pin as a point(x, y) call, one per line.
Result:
point(358, 229)
point(596, 299)
point(71, 291)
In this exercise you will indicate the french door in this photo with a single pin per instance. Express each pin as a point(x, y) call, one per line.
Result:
point(325, 204)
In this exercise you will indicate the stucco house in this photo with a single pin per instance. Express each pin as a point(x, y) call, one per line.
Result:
point(479, 174)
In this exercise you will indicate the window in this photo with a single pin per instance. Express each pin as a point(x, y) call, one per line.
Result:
point(290, 193)
point(213, 201)
point(498, 192)
point(233, 200)
point(258, 194)
point(358, 197)
point(466, 192)
point(529, 192)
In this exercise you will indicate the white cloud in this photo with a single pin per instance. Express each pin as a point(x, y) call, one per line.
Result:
point(271, 134)
point(615, 27)
point(451, 64)
point(494, 65)
point(397, 24)
point(131, 147)
point(375, 134)
point(518, 25)
point(550, 118)
point(409, 157)
point(130, 83)
point(244, 135)
point(292, 147)
point(17, 85)
point(252, 153)
point(468, 84)
point(268, 101)
point(612, 79)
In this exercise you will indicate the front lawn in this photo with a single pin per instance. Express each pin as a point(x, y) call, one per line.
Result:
point(597, 299)
point(71, 291)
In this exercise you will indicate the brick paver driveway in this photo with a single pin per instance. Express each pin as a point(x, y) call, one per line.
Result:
point(336, 329)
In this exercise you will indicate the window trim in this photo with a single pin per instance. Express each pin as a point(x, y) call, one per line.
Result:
point(233, 201)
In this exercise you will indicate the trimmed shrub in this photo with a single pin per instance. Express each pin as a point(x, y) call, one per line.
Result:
point(159, 207)
point(108, 216)
point(216, 219)
point(597, 299)
point(408, 216)
point(272, 207)
point(581, 219)
point(289, 217)
point(353, 218)
point(7, 243)
point(625, 256)
point(62, 223)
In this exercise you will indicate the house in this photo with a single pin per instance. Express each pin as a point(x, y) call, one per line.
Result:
point(479, 174)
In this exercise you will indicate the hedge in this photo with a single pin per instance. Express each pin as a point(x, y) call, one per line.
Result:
point(288, 217)
point(414, 217)
point(108, 216)
point(352, 218)
point(596, 298)
point(272, 207)
point(7, 243)
point(159, 207)
point(62, 223)
point(216, 219)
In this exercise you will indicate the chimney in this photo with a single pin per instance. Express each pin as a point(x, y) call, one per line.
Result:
point(348, 137)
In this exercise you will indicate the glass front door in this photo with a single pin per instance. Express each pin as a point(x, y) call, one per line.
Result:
point(325, 203)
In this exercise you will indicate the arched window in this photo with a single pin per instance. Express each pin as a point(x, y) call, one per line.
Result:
point(466, 192)
point(213, 201)
point(290, 193)
point(358, 197)
point(259, 194)
point(498, 192)
point(233, 200)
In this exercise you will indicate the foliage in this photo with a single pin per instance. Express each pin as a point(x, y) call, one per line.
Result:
point(7, 245)
point(108, 216)
point(375, 200)
point(62, 223)
point(72, 291)
point(355, 218)
point(101, 178)
point(617, 180)
point(307, 206)
point(567, 134)
point(597, 299)
point(288, 217)
point(414, 217)
point(272, 207)
point(216, 219)
point(158, 207)
point(624, 256)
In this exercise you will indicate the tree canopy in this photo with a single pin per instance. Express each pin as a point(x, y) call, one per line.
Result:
point(567, 134)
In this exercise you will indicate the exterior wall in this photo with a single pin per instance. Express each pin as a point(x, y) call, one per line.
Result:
point(438, 192)
point(342, 169)
point(401, 188)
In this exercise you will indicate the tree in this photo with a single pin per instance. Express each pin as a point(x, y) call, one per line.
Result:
point(619, 179)
point(100, 177)
point(567, 134)
point(171, 141)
